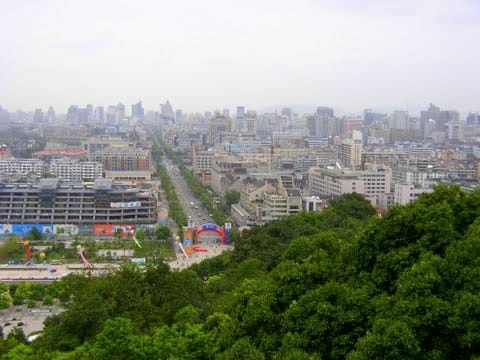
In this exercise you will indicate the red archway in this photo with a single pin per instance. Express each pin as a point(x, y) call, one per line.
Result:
point(211, 228)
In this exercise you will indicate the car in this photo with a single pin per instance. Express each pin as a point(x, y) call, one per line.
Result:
point(20, 323)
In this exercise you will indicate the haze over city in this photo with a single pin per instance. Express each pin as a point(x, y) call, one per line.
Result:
point(216, 54)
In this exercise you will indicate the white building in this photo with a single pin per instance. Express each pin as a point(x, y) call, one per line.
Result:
point(76, 172)
point(407, 193)
point(335, 182)
point(21, 167)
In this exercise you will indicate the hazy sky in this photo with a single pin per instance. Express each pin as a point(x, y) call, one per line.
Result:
point(208, 54)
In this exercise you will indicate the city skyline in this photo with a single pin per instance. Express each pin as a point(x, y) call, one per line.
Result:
point(215, 55)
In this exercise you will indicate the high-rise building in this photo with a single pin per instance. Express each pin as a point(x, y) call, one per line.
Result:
point(399, 120)
point(51, 115)
point(351, 150)
point(99, 115)
point(120, 112)
point(178, 116)
point(325, 111)
point(138, 112)
point(323, 126)
point(350, 123)
point(370, 117)
point(38, 116)
point(111, 118)
point(240, 112)
point(473, 119)
point(239, 118)
point(167, 111)
point(73, 114)
point(428, 118)
point(4, 115)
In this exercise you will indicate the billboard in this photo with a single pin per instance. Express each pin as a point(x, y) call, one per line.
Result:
point(66, 229)
point(24, 229)
point(131, 204)
point(5, 229)
point(110, 230)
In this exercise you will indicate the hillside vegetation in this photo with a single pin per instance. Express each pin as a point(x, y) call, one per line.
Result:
point(342, 284)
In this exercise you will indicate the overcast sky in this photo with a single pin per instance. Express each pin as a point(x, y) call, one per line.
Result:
point(209, 54)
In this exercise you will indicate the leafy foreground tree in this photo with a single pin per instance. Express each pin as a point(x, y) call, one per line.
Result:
point(336, 285)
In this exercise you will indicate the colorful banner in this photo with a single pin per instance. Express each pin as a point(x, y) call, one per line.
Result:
point(110, 230)
point(67, 229)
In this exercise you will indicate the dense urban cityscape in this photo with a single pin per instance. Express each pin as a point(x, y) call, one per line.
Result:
point(239, 180)
point(279, 162)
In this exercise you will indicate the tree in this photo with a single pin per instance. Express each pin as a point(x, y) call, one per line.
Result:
point(35, 234)
point(163, 232)
point(353, 205)
point(231, 197)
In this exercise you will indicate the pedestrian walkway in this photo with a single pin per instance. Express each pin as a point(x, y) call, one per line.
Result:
point(197, 256)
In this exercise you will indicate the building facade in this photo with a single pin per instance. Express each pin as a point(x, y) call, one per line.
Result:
point(51, 202)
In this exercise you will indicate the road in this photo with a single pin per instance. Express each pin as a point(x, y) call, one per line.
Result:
point(195, 212)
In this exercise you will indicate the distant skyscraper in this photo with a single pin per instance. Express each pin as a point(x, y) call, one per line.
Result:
point(226, 113)
point(167, 111)
point(473, 119)
point(111, 118)
point(138, 112)
point(38, 116)
point(51, 115)
point(178, 116)
point(325, 111)
point(73, 114)
point(370, 117)
point(240, 112)
point(99, 115)
point(4, 114)
point(120, 112)
point(427, 118)
point(399, 120)
point(240, 117)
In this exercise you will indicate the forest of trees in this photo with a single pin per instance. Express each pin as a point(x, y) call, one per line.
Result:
point(341, 284)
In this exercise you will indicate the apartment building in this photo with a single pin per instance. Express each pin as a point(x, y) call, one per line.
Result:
point(76, 172)
point(336, 182)
point(122, 159)
point(408, 193)
point(21, 167)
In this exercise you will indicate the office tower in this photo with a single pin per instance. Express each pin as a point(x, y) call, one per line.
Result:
point(72, 114)
point(38, 116)
point(473, 119)
point(325, 111)
point(120, 112)
point(84, 115)
point(323, 126)
point(51, 115)
point(445, 117)
point(167, 111)
point(226, 113)
point(99, 115)
point(428, 118)
point(138, 112)
point(4, 114)
point(240, 112)
point(178, 116)
point(111, 118)
point(370, 117)
point(399, 120)
point(239, 117)
point(90, 111)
